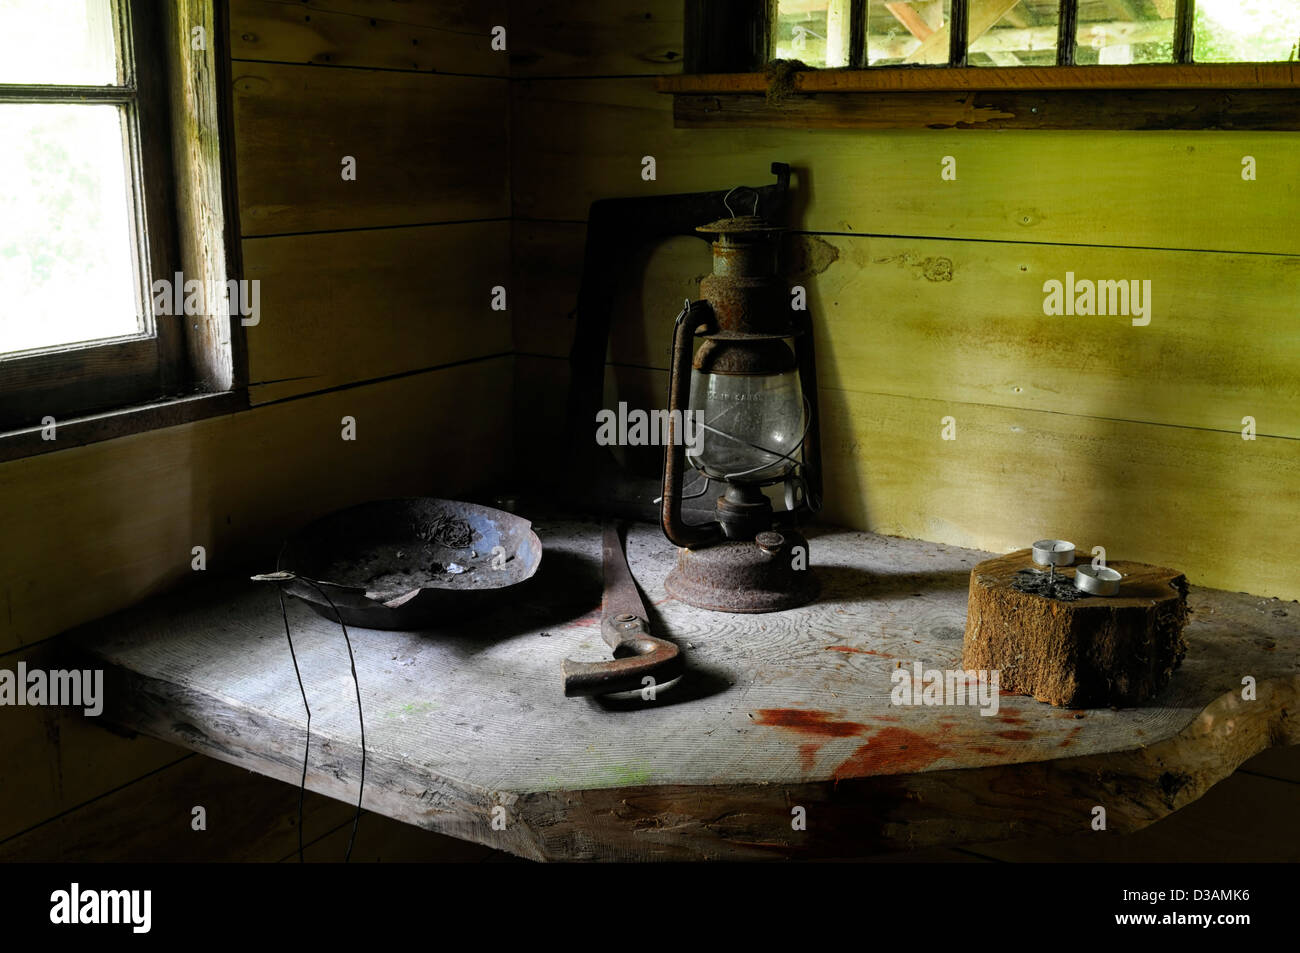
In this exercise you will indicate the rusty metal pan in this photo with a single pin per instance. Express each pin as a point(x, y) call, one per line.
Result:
point(410, 563)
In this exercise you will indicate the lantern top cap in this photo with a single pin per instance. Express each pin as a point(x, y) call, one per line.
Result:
point(740, 225)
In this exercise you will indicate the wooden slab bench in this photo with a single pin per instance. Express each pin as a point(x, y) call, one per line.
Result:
point(783, 711)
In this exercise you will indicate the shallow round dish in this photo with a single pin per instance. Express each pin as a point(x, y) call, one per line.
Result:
point(410, 563)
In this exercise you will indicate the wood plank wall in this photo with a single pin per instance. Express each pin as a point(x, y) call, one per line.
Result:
point(927, 298)
point(375, 304)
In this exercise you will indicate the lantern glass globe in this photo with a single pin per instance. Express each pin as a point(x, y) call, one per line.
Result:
point(753, 426)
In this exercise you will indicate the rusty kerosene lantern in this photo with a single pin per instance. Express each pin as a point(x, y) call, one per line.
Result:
point(752, 384)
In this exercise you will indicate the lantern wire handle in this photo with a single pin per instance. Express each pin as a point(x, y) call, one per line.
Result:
point(740, 188)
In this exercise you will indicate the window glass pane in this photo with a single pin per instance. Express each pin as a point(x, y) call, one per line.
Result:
point(1012, 32)
point(66, 232)
point(1119, 32)
point(813, 31)
point(1246, 31)
point(897, 32)
point(65, 42)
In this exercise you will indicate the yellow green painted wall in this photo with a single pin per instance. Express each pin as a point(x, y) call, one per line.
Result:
point(927, 296)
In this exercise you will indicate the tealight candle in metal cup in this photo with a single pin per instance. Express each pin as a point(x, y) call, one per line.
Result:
point(1053, 553)
point(1097, 580)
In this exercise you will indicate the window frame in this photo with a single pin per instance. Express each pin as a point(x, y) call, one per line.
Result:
point(713, 26)
point(722, 78)
point(189, 367)
point(73, 379)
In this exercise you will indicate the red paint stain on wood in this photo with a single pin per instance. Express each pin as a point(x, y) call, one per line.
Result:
point(808, 755)
point(1016, 735)
point(855, 651)
point(1065, 742)
point(892, 751)
point(809, 721)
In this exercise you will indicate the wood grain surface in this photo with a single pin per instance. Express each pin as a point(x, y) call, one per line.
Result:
point(784, 710)
point(555, 38)
point(429, 148)
point(1147, 189)
point(1092, 109)
point(963, 320)
point(1147, 76)
point(340, 307)
point(455, 39)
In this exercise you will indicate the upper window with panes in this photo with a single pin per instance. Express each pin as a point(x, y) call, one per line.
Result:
point(1008, 33)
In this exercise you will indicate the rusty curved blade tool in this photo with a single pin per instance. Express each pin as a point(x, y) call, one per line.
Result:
point(625, 628)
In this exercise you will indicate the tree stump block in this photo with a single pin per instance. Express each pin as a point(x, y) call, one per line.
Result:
point(1090, 652)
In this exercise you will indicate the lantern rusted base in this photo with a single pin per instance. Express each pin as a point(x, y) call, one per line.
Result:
point(752, 576)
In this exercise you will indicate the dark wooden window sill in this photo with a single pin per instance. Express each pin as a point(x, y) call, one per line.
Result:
point(79, 431)
point(1263, 96)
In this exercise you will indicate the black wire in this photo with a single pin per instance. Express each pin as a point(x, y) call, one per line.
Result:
point(302, 787)
point(357, 685)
